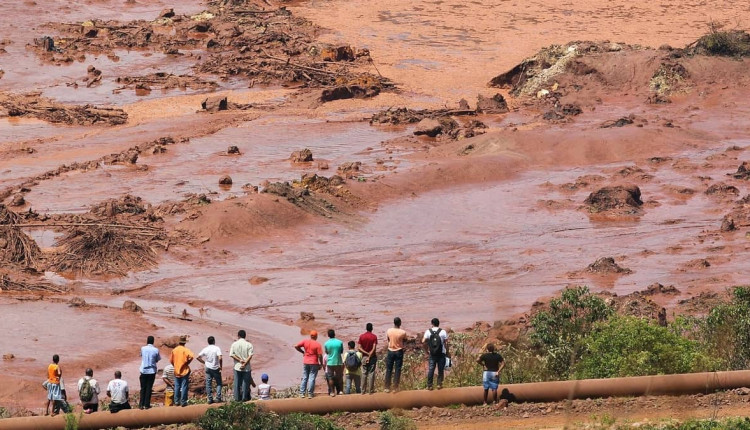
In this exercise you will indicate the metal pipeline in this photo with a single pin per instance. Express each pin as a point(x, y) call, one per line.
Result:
point(692, 383)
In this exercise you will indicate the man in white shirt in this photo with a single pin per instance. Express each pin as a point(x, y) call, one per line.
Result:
point(117, 390)
point(436, 340)
point(211, 357)
point(89, 393)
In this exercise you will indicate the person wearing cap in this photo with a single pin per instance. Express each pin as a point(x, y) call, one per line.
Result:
point(265, 390)
point(180, 359)
point(312, 360)
point(241, 352)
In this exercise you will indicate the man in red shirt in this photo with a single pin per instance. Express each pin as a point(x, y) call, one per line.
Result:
point(368, 343)
point(312, 360)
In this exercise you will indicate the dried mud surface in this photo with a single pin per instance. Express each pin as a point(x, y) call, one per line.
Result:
point(201, 167)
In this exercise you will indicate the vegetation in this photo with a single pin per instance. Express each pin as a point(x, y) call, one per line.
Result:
point(630, 346)
point(395, 420)
point(558, 333)
point(248, 416)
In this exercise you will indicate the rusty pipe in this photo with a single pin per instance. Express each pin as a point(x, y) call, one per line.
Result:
point(692, 383)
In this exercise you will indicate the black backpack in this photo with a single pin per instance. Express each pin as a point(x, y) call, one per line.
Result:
point(352, 362)
point(435, 343)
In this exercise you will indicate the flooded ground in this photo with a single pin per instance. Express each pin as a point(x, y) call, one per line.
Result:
point(467, 230)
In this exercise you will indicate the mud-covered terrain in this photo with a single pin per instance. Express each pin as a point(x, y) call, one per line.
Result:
point(201, 167)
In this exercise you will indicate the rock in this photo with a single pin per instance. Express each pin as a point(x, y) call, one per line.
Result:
point(257, 280)
point(233, 150)
point(171, 342)
point(606, 265)
point(463, 105)
point(322, 165)
point(727, 224)
point(306, 316)
point(18, 200)
point(722, 190)
point(428, 127)
point(225, 180)
point(302, 156)
point(617, 197)
point(743, 172)
point(214, 104)
point(77, 302)
point(494, 104)
point(657, 288)
point(166, 13)
point(131, 306)
point(8, 357)
point(626, 120)
point(349, 169)
point(337, 53)
point(743, 391)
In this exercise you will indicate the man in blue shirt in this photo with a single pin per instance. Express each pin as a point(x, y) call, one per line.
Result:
point(335, 364)
point(149, 357)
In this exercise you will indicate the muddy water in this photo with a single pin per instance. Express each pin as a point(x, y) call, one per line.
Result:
point(464, 253)
point(196, 167)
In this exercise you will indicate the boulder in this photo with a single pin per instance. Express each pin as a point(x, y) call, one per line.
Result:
point(606, 265)
point(617, 197)
point(494, 104)
point(214, 104)
point(302, 156)
point(131, 306)
point(225, 180)
point(428, 127)
point(233, 150)
point(18, 200)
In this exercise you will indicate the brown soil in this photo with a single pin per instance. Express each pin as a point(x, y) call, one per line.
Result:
point(589, 150)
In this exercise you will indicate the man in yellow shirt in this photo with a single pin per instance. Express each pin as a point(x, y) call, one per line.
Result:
point(180, 359)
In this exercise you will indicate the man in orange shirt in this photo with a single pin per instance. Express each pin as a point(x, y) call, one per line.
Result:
point(54, 394)
point(180, 359)
point(395, 357)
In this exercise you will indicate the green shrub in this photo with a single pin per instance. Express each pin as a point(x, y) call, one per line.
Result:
point(725, 424)
point(558, 331)
point(727, 330)
point(394, 420)
point(631, 346)
point(248, 416)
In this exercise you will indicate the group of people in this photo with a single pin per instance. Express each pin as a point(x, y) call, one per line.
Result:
point(345, 371)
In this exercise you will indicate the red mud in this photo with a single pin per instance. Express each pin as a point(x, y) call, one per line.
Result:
point(499, 217)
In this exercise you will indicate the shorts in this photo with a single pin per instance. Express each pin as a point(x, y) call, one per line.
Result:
point(54, 392)
point(490, 380)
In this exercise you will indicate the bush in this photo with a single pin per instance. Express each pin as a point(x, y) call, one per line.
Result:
point(727, 43)
point(248, 416)
point(725, 424)
point(727, 330)
point(631, 346)
point(558, 331)
point(394, 420)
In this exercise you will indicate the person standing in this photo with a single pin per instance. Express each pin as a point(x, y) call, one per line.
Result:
point(168, 378)
point(118, 391)
point(149, 357)
point(368, 343)
point(210, 356)
point(312, 360)
point(493, 364)
point(394, 360)
point(54, 394)
point(241, 352)
point(353, 368)
point(180, 359)
point(436, 341)
point(88, 392)
point(335, 365)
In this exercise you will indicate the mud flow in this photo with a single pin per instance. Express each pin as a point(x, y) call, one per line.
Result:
point(207, 166)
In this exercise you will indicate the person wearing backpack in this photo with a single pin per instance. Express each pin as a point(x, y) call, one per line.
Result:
point(88, 392)
point(353, 368)
point(436, 341)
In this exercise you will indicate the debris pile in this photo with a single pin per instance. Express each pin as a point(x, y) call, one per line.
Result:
point(35, 106)
point(15, 245)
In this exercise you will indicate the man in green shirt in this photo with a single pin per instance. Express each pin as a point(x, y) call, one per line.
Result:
point(335, 365)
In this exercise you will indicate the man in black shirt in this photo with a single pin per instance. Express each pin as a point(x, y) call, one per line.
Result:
point(493, 364)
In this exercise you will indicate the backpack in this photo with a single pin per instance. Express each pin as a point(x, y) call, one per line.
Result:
point(352, 362)
point(435, 343)
point(87, 391)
